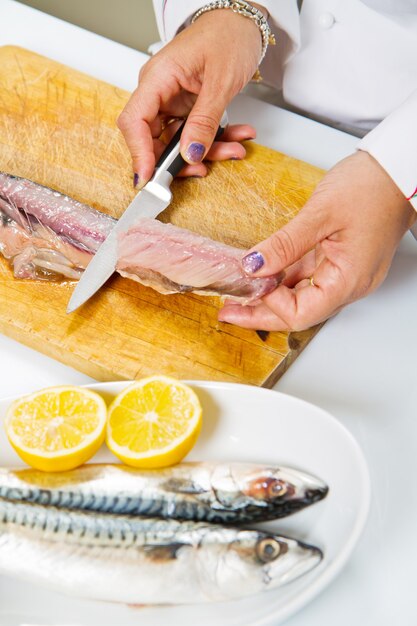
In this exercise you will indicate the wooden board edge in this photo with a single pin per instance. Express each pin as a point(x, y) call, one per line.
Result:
point(297, 341)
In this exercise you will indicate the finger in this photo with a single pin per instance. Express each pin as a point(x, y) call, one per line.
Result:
point(239, 132)
point(233, 132)
point(140, 119)
point(299, 270)
point(228, 148)
point(289, 244)
point(169, 130)
point(203, 122)
point(304, 268)
point(220, 150)
point(233, 302)
point(223, 151)
point(134, 122)
point(156, 126)
point(258, 317)
point(311, 302)
point(306, 305)
point(199, 170)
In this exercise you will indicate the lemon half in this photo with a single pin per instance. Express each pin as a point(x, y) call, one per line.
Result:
point(154, 422)
point(58, 428)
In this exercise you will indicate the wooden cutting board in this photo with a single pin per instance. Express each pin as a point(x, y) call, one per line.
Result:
point(58, 128)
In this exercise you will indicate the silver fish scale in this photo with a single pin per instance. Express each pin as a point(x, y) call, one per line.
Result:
point(142, 560)
point(166, 504)
point(89, 528)
point(216, 493)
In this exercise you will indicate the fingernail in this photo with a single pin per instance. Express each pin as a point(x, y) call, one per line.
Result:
point(248, 138)
point(252, 262)
point(235, 158)
point(195, 152)
point(135, 180)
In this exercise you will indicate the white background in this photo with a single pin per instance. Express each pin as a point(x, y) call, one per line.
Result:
point(360, 367)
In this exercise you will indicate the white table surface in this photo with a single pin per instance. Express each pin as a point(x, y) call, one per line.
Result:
point(361, 367)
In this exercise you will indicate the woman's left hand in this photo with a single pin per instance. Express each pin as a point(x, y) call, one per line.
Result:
point(336, 250)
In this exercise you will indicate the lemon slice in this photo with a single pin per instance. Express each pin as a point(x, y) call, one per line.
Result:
point(58, 428)
point(154, 422)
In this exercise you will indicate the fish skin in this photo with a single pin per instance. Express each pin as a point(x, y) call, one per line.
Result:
point(46, 234)
point(78, 223)
point(144, 560)
point(232, 493)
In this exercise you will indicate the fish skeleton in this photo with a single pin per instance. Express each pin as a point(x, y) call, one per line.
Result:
point(144, 560)
point(46, 234)
point(222, 493)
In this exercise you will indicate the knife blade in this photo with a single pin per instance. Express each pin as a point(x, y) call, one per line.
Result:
point(150, 201)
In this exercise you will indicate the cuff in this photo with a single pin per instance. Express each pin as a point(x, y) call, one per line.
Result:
point(284, 20)
point(393, 143)
point(171, 15)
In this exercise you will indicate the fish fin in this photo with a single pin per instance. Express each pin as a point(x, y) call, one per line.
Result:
point(12, 210)
point(162, 552)
point(182, 485)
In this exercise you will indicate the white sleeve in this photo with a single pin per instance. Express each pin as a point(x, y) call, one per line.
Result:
point(172, 14)
point(284, 19)
point(393, 143)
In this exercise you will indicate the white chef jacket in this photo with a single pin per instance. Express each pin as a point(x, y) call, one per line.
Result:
point(352, 62)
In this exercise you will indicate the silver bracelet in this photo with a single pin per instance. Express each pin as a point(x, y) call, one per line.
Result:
point(247, 10)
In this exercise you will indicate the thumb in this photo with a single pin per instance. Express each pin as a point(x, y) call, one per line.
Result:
point(202, 123)
point(286, 246)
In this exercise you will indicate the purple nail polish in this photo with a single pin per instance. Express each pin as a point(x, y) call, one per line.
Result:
point(252, 262)
point(195, 152)
point(235, 158)
point(135, 180)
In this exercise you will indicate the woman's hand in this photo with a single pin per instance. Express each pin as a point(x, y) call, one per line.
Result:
point(196, 75)
point(336, 250)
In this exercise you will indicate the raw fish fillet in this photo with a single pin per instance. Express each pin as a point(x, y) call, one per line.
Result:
point(47, 235)
point(172, 259)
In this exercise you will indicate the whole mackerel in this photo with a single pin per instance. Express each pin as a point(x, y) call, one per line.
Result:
point(215, 492)
point(144, 561)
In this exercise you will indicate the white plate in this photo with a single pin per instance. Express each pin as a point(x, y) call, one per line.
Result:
point(241, 423)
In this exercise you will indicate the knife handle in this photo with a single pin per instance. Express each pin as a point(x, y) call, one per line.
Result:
point(171, 160)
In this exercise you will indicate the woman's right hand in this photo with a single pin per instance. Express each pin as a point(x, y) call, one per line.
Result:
point(196, 75)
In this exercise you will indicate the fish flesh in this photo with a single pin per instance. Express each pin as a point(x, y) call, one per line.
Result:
point(46, 234)
point(214, 492)
point(144, 560)
point(186, 261)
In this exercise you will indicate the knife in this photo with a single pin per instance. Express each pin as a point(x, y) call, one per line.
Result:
point(150, 201)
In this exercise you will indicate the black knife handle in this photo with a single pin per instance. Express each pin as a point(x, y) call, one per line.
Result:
point(176, 165)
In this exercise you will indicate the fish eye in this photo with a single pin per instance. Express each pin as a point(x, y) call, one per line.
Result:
point(268, 549)
point(266, 488)
point(277, 489)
